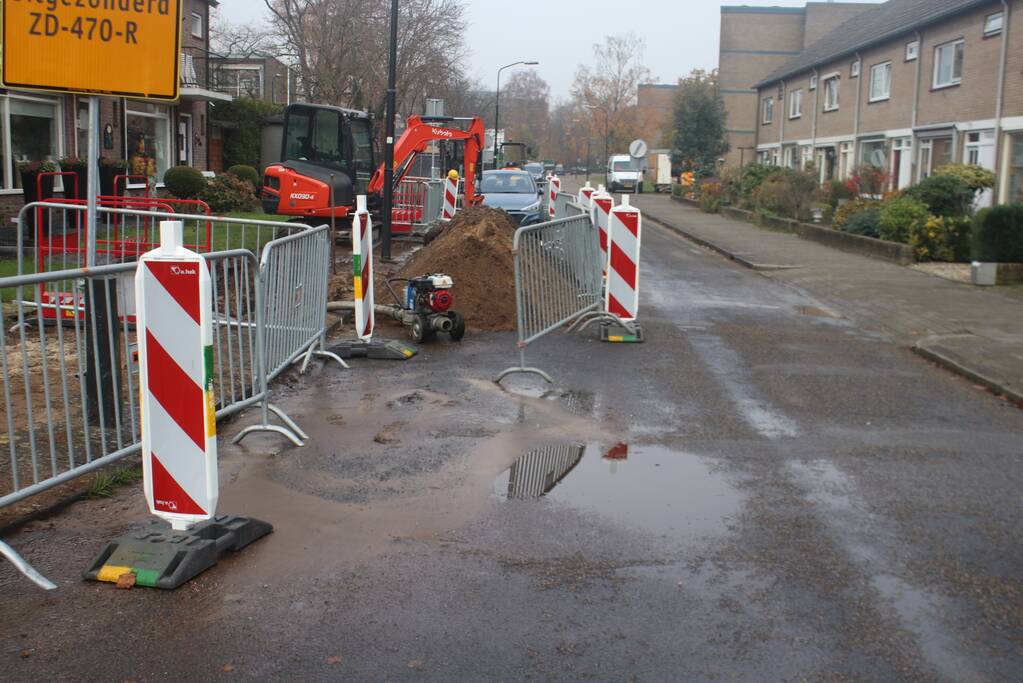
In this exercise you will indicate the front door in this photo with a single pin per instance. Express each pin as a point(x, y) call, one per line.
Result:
point(980, 151)
point(185, 139)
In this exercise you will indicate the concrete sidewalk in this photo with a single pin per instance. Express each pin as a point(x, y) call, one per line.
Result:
point(975, 332)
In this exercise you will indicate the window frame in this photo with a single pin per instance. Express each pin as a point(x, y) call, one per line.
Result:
point(854, 69)
point(198, 21)
point(953, 44)
point(767, 111)
point(813, 82)
point(170, 139)
point(871, 98)
point(991, 32)
point(796, 98)
point(912, 50)
point(6, 152)
point(836, 79)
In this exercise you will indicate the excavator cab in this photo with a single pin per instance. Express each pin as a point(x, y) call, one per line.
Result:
point(328, 159)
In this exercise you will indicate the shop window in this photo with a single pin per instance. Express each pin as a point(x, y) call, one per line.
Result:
point(147, 128)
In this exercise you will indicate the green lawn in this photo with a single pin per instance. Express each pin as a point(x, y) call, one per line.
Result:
point(9, 267)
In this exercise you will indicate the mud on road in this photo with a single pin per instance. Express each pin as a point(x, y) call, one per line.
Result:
point(759, 492)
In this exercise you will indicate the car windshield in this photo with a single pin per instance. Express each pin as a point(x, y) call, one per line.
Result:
point(508, 183)
point(623, 166)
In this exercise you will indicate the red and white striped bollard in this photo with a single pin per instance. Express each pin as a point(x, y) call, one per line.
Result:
point(362, 277)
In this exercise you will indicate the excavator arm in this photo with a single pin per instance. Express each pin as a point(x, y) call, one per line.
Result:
point(418, 136)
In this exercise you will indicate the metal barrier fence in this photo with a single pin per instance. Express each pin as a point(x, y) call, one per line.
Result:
point(70, 386)
point(565, 206)
point(417, 203)
point(68, 360)
point(292, 303)
point(558, 279)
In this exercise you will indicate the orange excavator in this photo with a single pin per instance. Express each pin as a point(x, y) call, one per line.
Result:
point(329, 159)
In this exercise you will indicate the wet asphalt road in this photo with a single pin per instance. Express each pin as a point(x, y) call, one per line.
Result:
point(764, 491)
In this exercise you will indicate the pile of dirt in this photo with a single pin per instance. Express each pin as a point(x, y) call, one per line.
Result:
point(476, 250)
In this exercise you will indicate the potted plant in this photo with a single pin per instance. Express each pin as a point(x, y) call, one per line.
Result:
point(108, 170)
point(80, 168)
point(36, 191)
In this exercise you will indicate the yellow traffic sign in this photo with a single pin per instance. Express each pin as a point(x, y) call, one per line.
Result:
point(128, 48)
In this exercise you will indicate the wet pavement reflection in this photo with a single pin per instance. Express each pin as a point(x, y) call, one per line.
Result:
point(648, 488)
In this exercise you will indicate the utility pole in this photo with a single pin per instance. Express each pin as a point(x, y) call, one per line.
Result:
point(392, 97)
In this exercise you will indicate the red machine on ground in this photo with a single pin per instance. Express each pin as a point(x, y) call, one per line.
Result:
point(329, 160)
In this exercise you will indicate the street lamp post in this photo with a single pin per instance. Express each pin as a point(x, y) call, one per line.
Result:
point(497, 103)
point(388, 199)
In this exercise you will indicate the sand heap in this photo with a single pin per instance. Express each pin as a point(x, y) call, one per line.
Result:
point(476, 250)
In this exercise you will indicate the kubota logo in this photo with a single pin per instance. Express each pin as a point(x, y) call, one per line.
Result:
point(302, 195)
point(178, 270)
point(442, 133)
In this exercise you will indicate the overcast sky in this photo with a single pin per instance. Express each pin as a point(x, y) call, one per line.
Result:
point(680, 35)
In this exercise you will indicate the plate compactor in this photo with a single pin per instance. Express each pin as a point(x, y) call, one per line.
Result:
point(426, 307)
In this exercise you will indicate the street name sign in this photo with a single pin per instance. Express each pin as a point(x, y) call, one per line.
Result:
point(127, 48)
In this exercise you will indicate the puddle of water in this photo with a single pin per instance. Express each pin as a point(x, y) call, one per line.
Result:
point(651, 488)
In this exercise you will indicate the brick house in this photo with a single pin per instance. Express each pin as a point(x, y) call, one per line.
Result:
point(260, 77)
point(151, 136)
point(908, 86)
point(755, 41)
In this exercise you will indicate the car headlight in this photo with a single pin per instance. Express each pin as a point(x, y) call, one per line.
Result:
point(535, 206)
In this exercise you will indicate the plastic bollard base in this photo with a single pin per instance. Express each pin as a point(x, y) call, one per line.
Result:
point(616, 334)
point(160, 558)
point(377, 349)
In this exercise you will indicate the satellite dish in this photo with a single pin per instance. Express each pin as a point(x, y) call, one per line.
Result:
point(637, 149)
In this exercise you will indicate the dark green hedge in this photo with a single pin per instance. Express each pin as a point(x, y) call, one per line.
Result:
point(998, 234)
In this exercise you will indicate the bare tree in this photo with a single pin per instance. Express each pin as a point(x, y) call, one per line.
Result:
point(606, 91)
point(525, 107)
point(340, 47)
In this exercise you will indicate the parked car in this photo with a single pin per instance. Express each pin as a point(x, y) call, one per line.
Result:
point(536, 170)
point(559, 169)
point(514, 191)
point(623, 175)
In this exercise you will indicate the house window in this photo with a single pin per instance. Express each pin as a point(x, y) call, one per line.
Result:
point(854, 69)
point(874, 153)
point(831, 94)
point(795, 104)
point(880, 82)
point(807, 156)
point(28, 132)
point(934, 153)
point(241, 81)
point(82, 126)
point(993, 24)
point(1016, 169)
point(912, 50)
point(768, 110)
point(197, 25)
point(148, 136)
point(948, 64)
point(813, 82)
point(845, 160)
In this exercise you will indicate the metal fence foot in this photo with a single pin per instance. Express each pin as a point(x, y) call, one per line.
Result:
point(320, 353)
point(287, 433)
point(25, 568)
point(286, 419)
point(525, 371)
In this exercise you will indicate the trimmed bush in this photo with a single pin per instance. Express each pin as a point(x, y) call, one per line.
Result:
point(227, 193)
point(184, 182)
point(998, 234)
point(942, 239)
point(864, 223)
point(901, 218)
point(836, 191)
point(850, 209)
point(246, 173)
point(944, 195)
point(977, 178)
point(786, 193)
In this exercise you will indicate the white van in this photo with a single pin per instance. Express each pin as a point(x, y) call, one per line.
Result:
point(623, 175)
